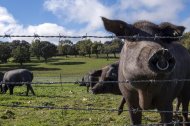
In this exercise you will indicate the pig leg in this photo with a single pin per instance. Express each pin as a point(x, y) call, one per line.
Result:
point(135, 115)
point(166, 117)
point(185, 104)
point(29, 87)
point(178, 103)
point(133, 107)
point(120, 109)
point(87, 88)
point(11, 89)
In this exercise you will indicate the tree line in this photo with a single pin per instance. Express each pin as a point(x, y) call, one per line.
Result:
point(21, 51)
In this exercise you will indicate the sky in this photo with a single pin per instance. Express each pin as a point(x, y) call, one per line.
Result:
point(81, 17)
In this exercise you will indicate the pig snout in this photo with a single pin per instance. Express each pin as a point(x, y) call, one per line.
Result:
point(162, 61)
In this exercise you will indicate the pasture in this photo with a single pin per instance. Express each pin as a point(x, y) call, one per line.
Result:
point(63, 95)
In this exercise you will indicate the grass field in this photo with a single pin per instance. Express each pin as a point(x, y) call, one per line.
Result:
point(66, 95)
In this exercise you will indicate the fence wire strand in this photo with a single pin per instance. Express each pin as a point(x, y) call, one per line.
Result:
point(176, 122)
point(106, 82)
point(89, 36)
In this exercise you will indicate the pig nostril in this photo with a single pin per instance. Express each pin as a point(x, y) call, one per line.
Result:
point(161, 62)
point(162, 67)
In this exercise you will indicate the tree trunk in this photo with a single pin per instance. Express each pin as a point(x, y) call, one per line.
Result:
point(45, 60)
point(21, 64)
point(107, 56)
point(114, 55)
point(97, 55)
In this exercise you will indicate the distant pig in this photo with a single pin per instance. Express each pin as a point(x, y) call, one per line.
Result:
point(105, 84)
point(1, 79)
point(90, 79)
point(13, 77)
point(108, 80)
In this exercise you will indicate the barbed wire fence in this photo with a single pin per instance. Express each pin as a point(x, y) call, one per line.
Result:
point(137, 37)
point(175, 122)
point(60, 36)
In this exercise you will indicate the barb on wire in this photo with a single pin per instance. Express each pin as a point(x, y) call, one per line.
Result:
point(85, 36)
point(36, 36)
point(6, 36)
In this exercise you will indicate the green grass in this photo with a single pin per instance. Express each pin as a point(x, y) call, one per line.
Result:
point(69, 95)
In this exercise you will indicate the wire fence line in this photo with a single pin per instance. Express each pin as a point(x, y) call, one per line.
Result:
point(66, 107)
point(137, 36)
point(175, 122)
point(106, 82)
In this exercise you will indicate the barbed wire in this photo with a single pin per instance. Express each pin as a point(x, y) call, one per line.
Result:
point(92, 109)
point(36, 36)
point(98, 109)
point(127, 81)
point(102, 109)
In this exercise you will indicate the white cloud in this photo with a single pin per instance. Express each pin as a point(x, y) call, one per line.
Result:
point(8, 25)
point(153, 10)
point(80, 12)
point(5, 16)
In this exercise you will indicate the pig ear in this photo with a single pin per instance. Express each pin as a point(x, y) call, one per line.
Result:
point(118, 27)
point(171, 29)
point(181, 29)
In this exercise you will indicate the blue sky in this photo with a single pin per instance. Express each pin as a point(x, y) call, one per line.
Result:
point(78, 17)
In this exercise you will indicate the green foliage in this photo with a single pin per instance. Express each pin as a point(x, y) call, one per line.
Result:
point(84, 47)
point(65, 47)
point(48, 50)
point(20, 51)
point(5, 51)
point(116, 46)
point(36, 48)
point(96, 48)
point(21, 54)
point(43, 49)
point(186, 40)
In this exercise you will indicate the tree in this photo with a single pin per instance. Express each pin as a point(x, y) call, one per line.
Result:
point(186, 40)
point(74, 50)
point(96, 48)
point(116, 46)
point(20, 51)
point(48, 50)
point(107, 49)
point(84, 47)
point(21, 54)
point(5, 51)
point(36, 47)
point(65, 47)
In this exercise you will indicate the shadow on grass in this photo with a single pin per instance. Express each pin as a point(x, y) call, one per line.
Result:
point(68, 63)
point(48, 61)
